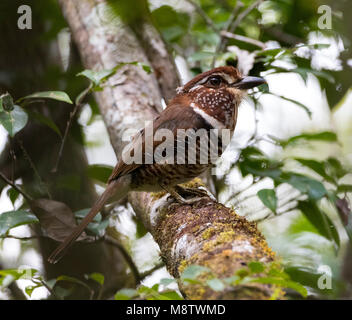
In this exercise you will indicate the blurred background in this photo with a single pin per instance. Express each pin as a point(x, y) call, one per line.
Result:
point(288, 167)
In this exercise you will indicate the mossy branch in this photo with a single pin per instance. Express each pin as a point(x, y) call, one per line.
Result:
point(207, 234)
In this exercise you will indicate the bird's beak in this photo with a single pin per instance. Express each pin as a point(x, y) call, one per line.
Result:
point(248, 83)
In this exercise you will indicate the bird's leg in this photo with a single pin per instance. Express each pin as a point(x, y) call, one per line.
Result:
point(176, 195)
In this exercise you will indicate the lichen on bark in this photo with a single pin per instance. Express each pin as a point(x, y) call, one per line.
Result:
point(207, 234)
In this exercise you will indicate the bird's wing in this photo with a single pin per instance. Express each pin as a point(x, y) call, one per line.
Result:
point(176, 116)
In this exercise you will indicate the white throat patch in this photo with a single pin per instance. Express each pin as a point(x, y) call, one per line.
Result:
point(216, 124)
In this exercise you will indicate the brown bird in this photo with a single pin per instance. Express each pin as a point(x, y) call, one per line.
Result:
point(209, 101)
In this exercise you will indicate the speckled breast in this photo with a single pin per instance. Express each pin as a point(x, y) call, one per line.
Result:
point(149, 177)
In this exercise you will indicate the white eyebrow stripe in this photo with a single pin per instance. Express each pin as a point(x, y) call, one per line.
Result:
point(216, 124)
point(195, 88)
point(227, 77)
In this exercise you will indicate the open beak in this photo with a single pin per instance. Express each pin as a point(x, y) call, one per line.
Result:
point(248, 83)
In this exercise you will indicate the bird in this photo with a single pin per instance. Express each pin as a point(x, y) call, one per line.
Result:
point(208, 102)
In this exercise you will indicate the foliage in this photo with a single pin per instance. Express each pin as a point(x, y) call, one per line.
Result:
point(12, 219)
point(52, 285)
point(254, 272)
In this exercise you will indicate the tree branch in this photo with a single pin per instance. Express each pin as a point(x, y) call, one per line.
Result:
point(126, 256)
point(221, 45)
point(243, 39)
point(243, 14)
point(152, 270)
point(14, 186)
point(77, 106)
point(206, 18)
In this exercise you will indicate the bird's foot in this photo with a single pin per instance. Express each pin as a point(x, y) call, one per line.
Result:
point(200, 195)
point(191, 191)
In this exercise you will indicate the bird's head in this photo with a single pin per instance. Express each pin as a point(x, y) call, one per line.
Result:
point(218, 92)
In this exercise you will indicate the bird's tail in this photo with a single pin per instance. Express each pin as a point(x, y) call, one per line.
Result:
point(120, 186)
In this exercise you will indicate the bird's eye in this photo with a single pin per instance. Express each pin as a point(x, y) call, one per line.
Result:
point(215, 81)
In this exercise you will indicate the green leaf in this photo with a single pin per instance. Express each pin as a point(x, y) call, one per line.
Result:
point(306, 276)
point(344, 188)
point(201, 55)
point(167, 281)
point(283, 283)
point(192, 272)
point(272, 52)
point(327, 136)
point(83, 94)
point(335, 168)
point(269, 199)
point(62, 292)
point(216, 284)
point(153, 293)
point(233, 280)
point(313, 188)
point(316, 166)
point(242, 273)
point(13, 195)
point(305, 108)
point(173, 24)
point(126, 294)
point(145, 67)
point(45, 120)
point(279, 51)
point(304, 71)
point(97, 226)
point(97, 77)
point(12, 219)
point(55, 95)
point(256, 267)
point(14, 120)
point(74, 281)
point(99, 172)
point(320, 45)
point(320, 220)
point(323, 75)
point(253, 161)
point(98, 277)
point(259, 168)
point(50, 283)
point(29, 289)
point(169, 295)
point(9, 275)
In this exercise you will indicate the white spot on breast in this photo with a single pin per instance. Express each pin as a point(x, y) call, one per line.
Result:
point(216, 124)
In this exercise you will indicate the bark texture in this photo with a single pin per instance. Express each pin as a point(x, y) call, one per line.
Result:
point(206, 233)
